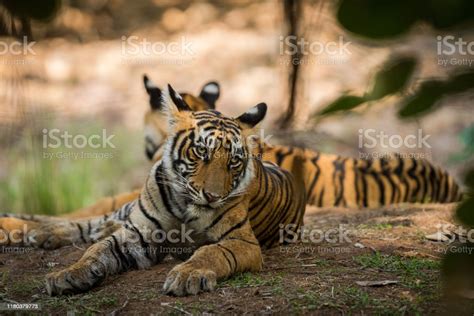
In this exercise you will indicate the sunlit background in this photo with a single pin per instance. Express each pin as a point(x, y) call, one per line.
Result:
point(84, 74)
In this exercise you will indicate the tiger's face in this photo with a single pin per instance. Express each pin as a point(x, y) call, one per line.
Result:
point(206, 155)
point(156, 122)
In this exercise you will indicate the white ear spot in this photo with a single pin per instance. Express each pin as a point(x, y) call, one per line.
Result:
point(150, 84)
point(253, 111)
point(211, 88)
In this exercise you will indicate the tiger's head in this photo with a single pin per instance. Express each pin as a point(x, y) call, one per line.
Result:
point(207, 158)
point(156, 121)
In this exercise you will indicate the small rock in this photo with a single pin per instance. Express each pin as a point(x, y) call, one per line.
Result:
point(438, 236)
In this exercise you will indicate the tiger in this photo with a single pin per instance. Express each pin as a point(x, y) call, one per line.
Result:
point(330, 180)
point(208, 183)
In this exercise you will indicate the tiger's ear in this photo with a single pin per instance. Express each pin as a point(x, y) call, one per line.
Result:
point(154, 92)
point(173, 103)
point(253, 116)
point(210, 92)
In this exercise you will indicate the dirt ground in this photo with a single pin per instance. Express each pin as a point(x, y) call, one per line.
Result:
point(311, 277)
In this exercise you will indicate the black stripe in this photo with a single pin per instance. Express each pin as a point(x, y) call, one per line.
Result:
point(148, 216)
point(218, 218)
point(247, 241)
point(112, 251)
point(380, 184)
point(280, 213)
point(232, 254)
point(271, 196)
point(339, 172)
point(386, 172)
point(81, 232)
point(321, 197)
point(142, 240)
point(310, 192)
point(280, 156)
point(122, 259)
point(401, 177)
point(356, 182)
point(128, 259)
point(164, 196)
point(434, 184)
point(227, 259)
point(412, 175)
point(235, 227)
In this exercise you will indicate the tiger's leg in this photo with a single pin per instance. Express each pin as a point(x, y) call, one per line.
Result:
point(236, 250)
point(19, 229)
point(62, 233)
point(123, 250)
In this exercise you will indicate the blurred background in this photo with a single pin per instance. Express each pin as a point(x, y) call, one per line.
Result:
point(364, 67)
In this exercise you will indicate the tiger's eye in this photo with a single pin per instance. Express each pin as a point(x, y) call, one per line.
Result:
point(201, 150)
point(234, 160)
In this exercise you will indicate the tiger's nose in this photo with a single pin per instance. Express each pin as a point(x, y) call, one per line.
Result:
point(211, 197)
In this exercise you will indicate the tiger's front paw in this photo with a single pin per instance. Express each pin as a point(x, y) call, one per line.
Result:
point(185, 280)
point(74, 279)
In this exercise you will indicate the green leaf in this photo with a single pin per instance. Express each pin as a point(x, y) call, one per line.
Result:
point(460, 82)
point(377, 19)
point(432, 91)
point(444, 14)
point(343, 103)
point(423, 100)
point(393, 77)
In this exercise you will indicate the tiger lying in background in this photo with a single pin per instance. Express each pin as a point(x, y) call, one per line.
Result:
point(330, 180)
point(209, 183)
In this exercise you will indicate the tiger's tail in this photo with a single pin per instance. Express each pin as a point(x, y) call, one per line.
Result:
point(409, 180)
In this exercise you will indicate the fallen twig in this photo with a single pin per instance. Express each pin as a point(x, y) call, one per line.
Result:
point(176, 308)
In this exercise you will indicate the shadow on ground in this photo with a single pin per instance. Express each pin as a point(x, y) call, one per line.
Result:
point(306, 277)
